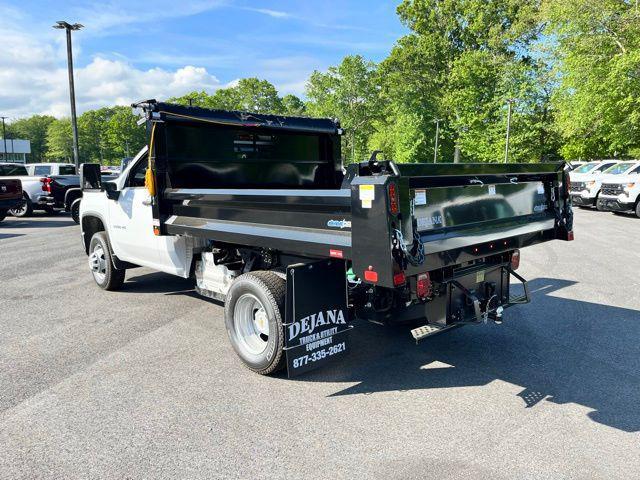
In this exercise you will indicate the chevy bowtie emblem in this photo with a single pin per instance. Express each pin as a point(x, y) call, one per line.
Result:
point(3, 188)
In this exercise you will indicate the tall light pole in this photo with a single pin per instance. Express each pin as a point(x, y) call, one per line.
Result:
point(506, 147)
point(435, 150)
point(4, 138)
point(72, 93)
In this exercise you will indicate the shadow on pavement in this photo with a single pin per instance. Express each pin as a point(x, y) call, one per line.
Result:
point(4, 236)
point(156, 282)
point(558, 350)
point(56, 221)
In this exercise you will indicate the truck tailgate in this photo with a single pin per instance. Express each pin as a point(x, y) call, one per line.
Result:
point(457, 216)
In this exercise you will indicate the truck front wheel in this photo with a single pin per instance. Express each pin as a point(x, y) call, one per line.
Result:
point(101, 263)
point(254, 317)
point(75, 210)
point(638, 209)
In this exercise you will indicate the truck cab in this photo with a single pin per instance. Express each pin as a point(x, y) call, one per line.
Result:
point(586, 180)
point(622, 193)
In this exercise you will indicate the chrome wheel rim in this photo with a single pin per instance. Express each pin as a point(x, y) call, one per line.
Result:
point(251, 324)
point(98, 263)
point(21, 210)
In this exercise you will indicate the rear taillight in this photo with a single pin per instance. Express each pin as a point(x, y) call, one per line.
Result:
point(423, 286)
point(46, 184)
point(399, 279)
point(515, 259)
point(394, 206)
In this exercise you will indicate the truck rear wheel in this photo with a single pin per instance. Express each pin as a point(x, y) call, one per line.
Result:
point(254, 317)
point(25, 210)
point(101, 263)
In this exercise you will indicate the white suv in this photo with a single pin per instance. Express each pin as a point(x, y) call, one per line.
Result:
point(623, 193)
point(586, 180)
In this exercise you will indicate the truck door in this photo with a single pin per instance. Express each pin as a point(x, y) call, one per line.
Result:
point(130, 216)
point(131, 235)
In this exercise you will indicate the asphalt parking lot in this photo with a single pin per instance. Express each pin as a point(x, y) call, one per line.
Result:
point(143, 383)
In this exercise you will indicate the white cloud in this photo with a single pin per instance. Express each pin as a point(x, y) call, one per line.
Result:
point(33, 79)
point(269, 12)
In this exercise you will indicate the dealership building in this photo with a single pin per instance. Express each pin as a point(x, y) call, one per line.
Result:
point(14, 150)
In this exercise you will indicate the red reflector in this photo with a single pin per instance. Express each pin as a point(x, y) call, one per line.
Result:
point(370, 276)
point(423, 285)
point(570, 235)
point(515, 259)
point(393, 199)
point(336, 253)
point(399, 279)
point(156, 230)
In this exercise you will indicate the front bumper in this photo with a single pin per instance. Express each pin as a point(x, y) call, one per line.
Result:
point(579, 200)
point(614, 205)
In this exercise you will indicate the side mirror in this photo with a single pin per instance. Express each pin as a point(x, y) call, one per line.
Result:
point(111, 189)
point(90, 176)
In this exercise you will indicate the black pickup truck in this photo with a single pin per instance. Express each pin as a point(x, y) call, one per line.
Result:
point(260, 212)
point(55, 189)
point(10, 196)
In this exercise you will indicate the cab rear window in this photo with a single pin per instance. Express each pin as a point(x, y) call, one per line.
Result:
point(13, 171)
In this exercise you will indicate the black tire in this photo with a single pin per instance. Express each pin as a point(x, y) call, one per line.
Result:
point(26, 210)
point(269, 290)
point(101, 263)
point(598, 207)
point(3, 215)
point(638, 209)
point(75, 210)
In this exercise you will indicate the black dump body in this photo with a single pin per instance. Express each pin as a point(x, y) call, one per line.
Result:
point(276, 183)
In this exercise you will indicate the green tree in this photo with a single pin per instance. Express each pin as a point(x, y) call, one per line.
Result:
point(59, 141)
point(92, 137)
point(124, 136)
point(292, 105)
point(460, 63)
point(34, 129)
point(248, 95)
point(349, 92)
point(597, 58)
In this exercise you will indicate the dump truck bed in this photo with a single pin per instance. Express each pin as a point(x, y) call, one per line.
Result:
point(278, 184)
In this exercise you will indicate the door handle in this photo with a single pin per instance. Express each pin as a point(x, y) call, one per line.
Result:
point(147, 202)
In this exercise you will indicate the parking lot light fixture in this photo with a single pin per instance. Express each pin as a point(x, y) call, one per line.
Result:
point(62, 25)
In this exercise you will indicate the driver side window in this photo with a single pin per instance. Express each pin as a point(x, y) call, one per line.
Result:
point(136, 176)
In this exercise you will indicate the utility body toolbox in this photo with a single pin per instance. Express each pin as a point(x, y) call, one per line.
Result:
point(440, 242)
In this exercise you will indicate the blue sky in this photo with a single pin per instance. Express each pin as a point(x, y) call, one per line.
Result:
point(158, 48)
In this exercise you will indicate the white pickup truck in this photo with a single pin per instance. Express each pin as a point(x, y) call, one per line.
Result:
point(31, 188)
point(623, 193)
point(586, 181)
point(44, 169)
